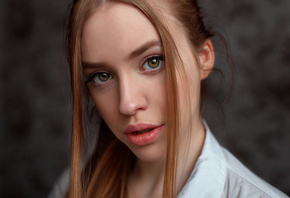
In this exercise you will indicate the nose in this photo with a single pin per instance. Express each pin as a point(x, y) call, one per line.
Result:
point(132, 97)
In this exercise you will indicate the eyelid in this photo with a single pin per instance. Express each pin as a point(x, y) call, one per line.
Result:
point(91, 77)
point(94, 75)
point(159, 56)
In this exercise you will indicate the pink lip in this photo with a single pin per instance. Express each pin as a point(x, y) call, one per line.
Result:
point(142, 138)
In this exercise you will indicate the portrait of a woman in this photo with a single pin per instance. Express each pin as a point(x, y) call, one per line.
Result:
point(139, 70)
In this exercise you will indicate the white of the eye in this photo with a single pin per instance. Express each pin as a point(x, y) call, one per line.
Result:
point(99, 81)
point(148, 67)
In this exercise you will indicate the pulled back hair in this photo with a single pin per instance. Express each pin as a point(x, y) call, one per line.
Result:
point(106, 172)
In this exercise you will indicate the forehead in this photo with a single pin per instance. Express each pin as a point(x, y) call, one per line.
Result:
point(115, 28)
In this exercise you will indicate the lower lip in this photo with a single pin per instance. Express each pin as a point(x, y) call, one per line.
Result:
point(144, 138)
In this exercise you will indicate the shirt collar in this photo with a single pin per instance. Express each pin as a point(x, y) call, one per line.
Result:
point(208, 176)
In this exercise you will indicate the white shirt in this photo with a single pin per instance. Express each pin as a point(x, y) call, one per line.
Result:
point(218, 174)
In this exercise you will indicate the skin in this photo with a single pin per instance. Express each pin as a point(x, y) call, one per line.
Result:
point(134, 93)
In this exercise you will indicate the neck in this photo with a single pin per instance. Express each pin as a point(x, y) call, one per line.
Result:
point(151, 174)
point(191, 144)
point(146, 179)
point(150, 169)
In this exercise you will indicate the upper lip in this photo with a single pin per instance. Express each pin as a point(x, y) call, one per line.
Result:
point(139, 127)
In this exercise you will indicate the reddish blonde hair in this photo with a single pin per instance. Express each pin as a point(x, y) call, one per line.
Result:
point(107, 170)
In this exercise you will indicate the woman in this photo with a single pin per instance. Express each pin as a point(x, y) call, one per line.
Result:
point(143, 65)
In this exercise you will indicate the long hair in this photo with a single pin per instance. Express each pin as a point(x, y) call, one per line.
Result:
point(106, 172)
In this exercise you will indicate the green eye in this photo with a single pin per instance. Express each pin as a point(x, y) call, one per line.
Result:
point(153, 62)
point(103, 76)
point(100, 77)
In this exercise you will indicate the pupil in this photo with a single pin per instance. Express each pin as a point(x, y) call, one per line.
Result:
point(154, 62)
point(103, 76)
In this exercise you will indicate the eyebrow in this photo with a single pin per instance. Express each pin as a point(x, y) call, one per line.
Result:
point(87, 65)
point(144, 47)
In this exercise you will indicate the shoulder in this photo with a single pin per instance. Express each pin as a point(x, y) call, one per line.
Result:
point(241, 182)
point(218, 173)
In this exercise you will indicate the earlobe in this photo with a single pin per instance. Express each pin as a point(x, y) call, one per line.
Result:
point(206, 59)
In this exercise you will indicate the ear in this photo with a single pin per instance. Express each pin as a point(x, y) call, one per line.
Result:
point(206, 59)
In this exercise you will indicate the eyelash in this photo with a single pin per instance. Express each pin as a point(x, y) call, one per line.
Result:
point(160, 60)
point(98, 74)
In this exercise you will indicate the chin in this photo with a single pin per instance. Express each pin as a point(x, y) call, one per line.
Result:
point(150, 153)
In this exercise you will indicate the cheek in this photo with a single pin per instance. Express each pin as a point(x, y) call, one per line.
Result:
point(106, 105)
point(189, 90)
point(160, 105)
point(158, 94)
point(188, 81)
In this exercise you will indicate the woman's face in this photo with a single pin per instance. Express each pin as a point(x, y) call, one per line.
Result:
point(124, 67)
point(123, 59)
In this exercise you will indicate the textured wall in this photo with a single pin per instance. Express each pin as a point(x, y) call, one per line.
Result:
point(258, 120)
point(34, 102)
point(34, 118)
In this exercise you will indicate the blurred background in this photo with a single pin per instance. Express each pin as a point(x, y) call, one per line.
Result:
point(35, 94)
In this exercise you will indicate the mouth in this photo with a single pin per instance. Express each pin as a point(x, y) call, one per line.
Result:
point(143, 134)
point(142, 131)
point(140, 128)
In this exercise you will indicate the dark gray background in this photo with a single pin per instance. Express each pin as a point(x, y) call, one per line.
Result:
point(35, 102)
